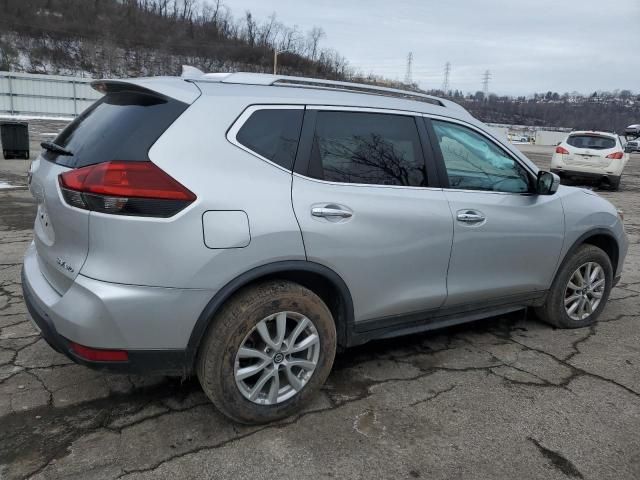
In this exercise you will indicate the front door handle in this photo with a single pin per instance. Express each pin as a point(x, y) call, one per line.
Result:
point(330, 212)
point(470, 216)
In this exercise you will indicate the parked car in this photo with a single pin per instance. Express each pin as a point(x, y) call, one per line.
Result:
point(632, 131)
point(632, 146)
point(596, 156)
point(245, 227)
point(518, 139)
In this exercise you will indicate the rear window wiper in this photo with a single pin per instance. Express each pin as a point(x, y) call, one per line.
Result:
point(54, 147)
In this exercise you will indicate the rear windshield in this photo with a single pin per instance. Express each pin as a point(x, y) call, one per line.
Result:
point(120, 126)
point(594, 142)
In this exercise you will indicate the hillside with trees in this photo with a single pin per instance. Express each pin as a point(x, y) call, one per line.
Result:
point(608, 111)
point(120, 38)
point(116, 38)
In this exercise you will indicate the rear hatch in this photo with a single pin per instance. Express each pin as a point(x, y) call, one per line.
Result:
point(590, 149)
point(121, 126)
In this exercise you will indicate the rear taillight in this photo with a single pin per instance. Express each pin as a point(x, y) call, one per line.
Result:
point(615, 155)
point(562, 150)
point(125, 188)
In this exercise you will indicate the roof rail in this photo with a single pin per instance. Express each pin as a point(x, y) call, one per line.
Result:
point(357, 88)
point(247, 78)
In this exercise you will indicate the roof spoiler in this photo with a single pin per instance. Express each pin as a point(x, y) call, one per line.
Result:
point(171, 87)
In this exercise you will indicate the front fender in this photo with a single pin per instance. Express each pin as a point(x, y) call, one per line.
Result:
point(587, 215)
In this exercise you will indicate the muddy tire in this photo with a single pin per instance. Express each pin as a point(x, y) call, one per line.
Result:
point(267, 352)
point(580, 290)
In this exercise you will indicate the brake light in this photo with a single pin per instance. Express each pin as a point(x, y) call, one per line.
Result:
point(615, 156)
point(562, 150)
point(99, 354)
point(125, 188)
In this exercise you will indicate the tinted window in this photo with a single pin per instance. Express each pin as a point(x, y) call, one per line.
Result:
point(119, 126)
point(594, 142)
point(370, 148)
point(273, 134)
point(475, 163)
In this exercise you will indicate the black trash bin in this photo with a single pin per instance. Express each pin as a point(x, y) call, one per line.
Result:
point(15, 139)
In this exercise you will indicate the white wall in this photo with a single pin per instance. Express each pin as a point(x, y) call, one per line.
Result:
point(500, 132)
point(44, 95)
point(547, 137)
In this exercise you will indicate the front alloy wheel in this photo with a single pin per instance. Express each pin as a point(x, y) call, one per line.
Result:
point(580, 290)
point(584, 291)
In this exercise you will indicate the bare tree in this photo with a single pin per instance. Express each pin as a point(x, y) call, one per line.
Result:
point(313, 38)
point(250, 29)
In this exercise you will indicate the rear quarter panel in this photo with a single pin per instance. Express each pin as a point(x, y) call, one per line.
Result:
point(172, 252)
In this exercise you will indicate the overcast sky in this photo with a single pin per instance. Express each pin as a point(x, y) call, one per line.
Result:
point(529, 46)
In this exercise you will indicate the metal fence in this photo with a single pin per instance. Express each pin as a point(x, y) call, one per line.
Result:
point(27, 94)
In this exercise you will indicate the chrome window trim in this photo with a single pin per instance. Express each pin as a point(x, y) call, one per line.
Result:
point(373, 185)
point(489, 138)
point(244, 116)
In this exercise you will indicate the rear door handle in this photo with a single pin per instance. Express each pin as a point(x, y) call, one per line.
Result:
point(330, 212)
point(470, 216)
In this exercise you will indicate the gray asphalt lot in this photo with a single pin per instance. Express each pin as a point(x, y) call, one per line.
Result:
point(506, 397)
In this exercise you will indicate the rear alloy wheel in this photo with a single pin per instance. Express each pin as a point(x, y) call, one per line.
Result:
point(277, 358)
point(580, 290)
point(267, 352)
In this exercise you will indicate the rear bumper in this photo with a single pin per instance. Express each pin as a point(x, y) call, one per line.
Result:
point(595, 176)
point(152, 324)
point(165, 362)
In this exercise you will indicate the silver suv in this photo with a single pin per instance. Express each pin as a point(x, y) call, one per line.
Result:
point(247, 226)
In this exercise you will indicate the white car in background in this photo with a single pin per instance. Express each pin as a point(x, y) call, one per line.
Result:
point(591, 155)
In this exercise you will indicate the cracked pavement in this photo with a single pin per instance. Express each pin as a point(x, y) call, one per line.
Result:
point(505, 397)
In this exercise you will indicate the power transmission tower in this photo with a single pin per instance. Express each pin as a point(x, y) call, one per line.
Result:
point(445, 82)
point(485, 84)
point(408, 76)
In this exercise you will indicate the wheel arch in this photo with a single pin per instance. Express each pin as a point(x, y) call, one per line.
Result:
point(323, 281)
point(601, 238)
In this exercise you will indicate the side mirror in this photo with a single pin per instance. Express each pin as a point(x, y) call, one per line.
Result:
point(547, 183)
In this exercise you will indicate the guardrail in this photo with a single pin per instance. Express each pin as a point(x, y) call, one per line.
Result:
point(28, 94)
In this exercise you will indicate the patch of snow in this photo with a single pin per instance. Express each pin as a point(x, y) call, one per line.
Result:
point(5, 185)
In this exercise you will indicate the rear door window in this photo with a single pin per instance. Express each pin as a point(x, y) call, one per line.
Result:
point(593, 142)
point(121, 125)
point(273, 134)
point(367, 148)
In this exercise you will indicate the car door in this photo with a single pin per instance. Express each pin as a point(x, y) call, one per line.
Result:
point(364, 200)
point(506, 239)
